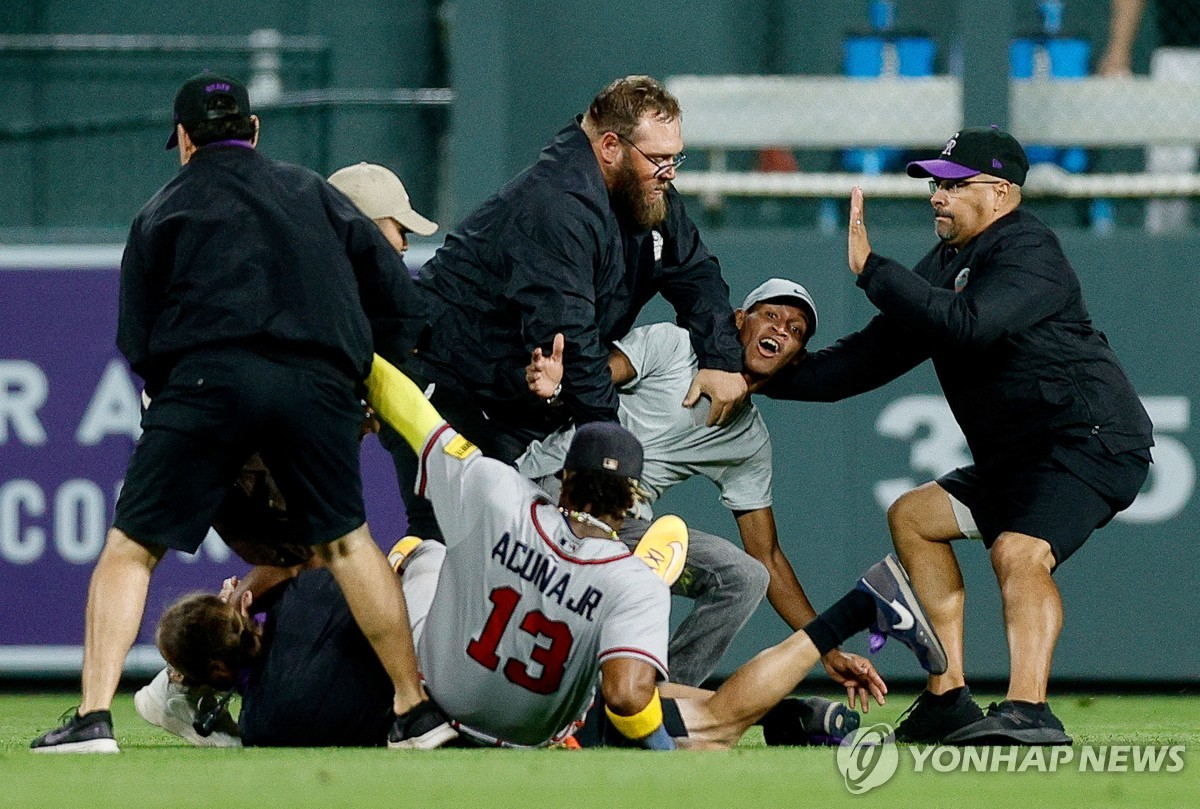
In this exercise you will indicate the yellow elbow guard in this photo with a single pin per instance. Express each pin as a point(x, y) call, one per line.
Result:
point(642, 723)
point(400, 403)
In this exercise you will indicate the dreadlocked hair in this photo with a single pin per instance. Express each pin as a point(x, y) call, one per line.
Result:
point(198, 632)
point(600, 493)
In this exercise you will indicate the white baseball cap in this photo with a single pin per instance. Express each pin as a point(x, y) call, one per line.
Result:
point(379, 194)
point(782, 289)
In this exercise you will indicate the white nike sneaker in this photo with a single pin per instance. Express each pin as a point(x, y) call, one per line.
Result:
point(173, 707)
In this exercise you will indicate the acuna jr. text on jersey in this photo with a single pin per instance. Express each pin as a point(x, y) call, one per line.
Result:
point(542, 572)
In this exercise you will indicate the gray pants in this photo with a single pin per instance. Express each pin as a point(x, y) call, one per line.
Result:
point(727, 584)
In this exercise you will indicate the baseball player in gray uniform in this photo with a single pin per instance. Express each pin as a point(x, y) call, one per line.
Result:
point(520, 666)
point(652, 368)
point(562, 600)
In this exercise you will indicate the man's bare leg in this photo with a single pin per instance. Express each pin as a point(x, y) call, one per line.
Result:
point(718, 720)
point(1032, 620)
point(376, 601)
point(922, 524)
point(1032, 611)
point(115, 603)
point(880, 600)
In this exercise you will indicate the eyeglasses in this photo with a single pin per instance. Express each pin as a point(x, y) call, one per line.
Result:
point(954, 186)
point(660, 166)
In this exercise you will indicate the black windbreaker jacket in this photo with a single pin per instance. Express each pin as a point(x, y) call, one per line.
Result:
point(1019, 361)
point(548, 254)
point(241, 249)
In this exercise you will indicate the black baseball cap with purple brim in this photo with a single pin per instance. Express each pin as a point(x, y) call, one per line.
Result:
point(194, 101)
point(978, 150)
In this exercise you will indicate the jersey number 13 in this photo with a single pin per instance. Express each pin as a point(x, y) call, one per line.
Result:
point(551, 658)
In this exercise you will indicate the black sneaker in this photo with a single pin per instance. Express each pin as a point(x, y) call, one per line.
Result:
point(90, 733)
point(900, 614)
point(1013, 722)
point(811, 721)
point(930, 718)
point(425, 727)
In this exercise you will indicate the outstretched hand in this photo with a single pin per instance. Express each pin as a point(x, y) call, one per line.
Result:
point(544, 374)
point(858, 245)
point(857, 675)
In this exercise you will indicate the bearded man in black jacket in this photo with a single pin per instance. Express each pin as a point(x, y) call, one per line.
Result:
point(576, 244)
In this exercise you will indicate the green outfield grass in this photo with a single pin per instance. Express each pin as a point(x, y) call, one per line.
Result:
point(156, 769)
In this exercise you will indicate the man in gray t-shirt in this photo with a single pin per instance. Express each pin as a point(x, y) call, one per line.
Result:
point(652, 368)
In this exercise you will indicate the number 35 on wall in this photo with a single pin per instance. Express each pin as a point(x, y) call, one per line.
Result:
point(938, 446)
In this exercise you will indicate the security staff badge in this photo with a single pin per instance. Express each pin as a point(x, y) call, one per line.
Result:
point(960, 280)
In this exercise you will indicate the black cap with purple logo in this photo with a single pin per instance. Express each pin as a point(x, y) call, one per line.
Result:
point(194, 101)
point(979, 150)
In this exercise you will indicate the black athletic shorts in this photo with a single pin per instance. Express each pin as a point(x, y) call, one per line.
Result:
point(1061, 497)
point(217, 408)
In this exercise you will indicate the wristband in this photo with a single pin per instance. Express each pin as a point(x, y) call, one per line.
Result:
point(642, 723)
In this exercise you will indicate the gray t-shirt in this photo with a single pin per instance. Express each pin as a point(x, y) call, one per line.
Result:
point(677, 443)
point(525, 611)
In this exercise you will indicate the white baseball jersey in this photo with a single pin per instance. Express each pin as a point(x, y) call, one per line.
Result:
point(525, 611)
point(677, 442)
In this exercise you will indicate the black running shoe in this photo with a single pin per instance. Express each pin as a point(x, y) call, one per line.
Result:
point(929, 720)
point(425, 727)
point(1013, 722)
point(812, 721)
point(900, 615)
point(90, 733)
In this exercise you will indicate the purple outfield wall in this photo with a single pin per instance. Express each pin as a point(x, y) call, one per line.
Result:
point(69, 417)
